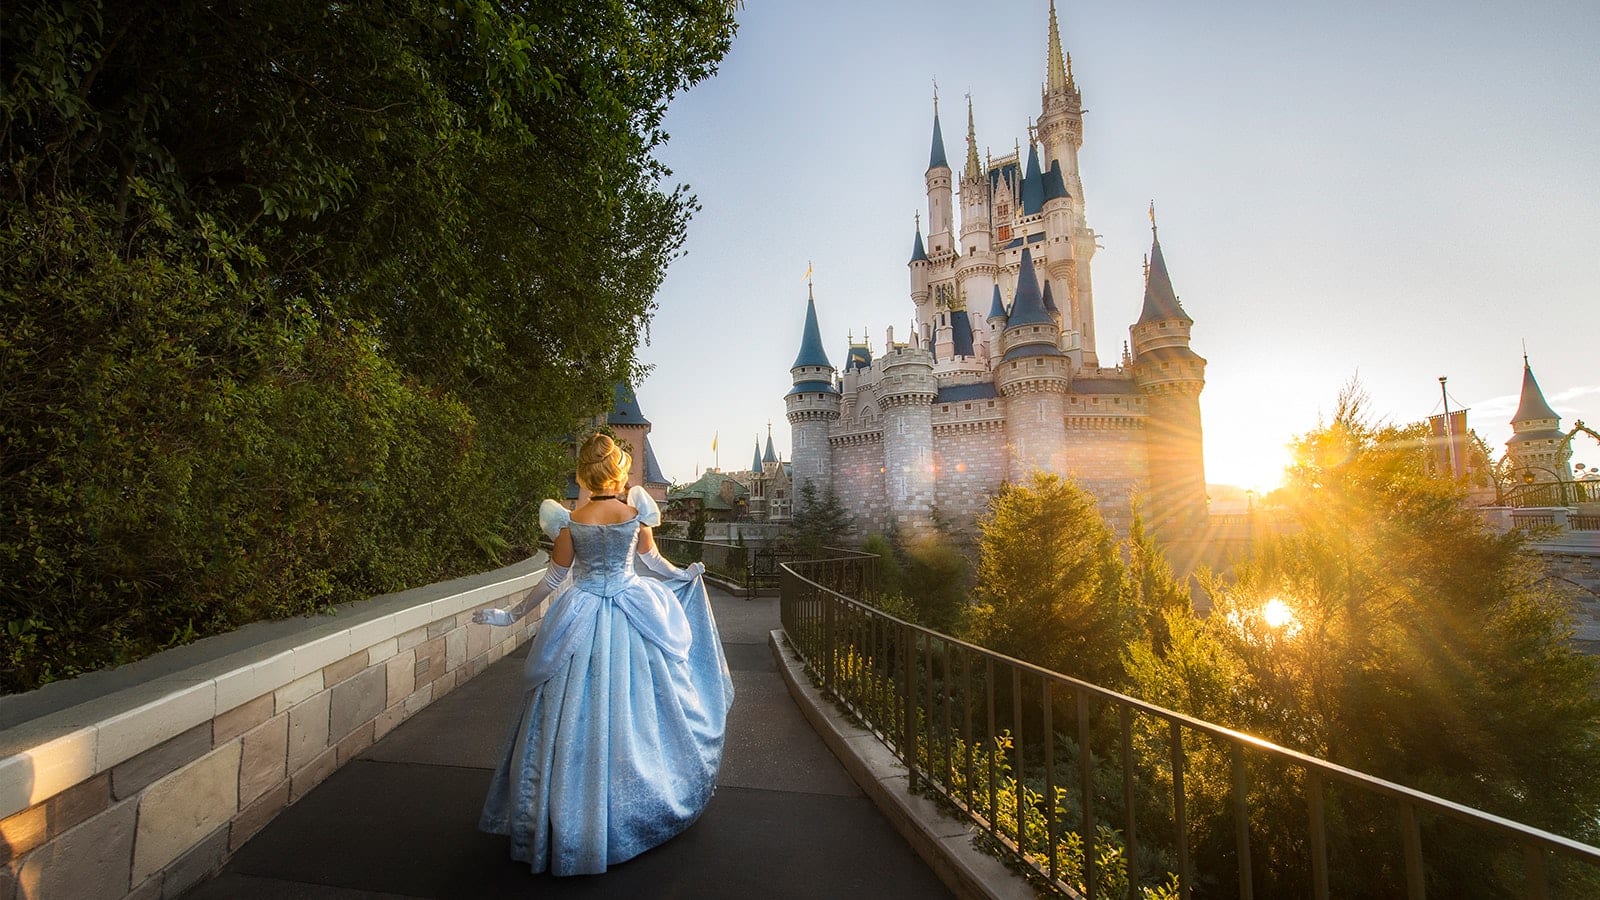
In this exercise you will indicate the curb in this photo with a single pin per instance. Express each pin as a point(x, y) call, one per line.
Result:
point(945, 843)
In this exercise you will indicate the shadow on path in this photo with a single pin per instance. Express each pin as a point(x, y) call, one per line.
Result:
point(401, 819)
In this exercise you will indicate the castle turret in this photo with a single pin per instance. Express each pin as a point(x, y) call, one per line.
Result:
point(813, 404)
point(977, 268)
point(1060, 131)
point(905, 394)
point(758, 487)
point(919, 266)
point(1033, 375)
point(1538, 450)
point(1171, 376)
point(941, 214)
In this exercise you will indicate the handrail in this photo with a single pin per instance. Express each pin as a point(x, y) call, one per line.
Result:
point(858, 634)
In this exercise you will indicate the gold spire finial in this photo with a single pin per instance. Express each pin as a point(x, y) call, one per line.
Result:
point(1055, 72)
point(972, 142)
point(918, 216)
point(936, 97)
point(1152, 217)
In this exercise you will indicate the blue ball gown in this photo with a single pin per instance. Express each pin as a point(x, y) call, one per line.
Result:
point(620, 734)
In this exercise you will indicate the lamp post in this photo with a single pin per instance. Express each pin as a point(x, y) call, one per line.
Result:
point(1528, 478)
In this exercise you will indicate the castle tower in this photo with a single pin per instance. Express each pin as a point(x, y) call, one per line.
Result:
point(1060, 130)
point(1033, 375)
point(920, 289)
point(813, 405)
point(1536, 446)
point(941, 215)
point(1171, 376)
point(758, 487)
point(976, 270)
point(905, 393)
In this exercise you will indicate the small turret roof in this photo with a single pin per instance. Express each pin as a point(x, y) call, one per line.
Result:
point(918, 252)
point(1160, 301)
point(1032, 184)
point(1049, 301)
point(1055, 186)
point(652, 469)
point(858, 357)
point(625, 407)
point(996, 308)
point(811, 352)
point(769, 456)
point(936, 158)
point(755, 461)
point(1532, 405)
point(961, 332)
point(1028, 307)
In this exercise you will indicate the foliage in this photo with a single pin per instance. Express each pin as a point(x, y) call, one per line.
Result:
point(297, 299)
point(1422, 650)
point(1050, 582)
point(697, 534)
point(937, 579)
point(819, 521)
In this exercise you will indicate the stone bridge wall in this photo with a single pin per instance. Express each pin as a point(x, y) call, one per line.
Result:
point(145, 790)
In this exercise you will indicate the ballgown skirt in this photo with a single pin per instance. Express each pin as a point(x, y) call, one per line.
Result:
point(620, 735)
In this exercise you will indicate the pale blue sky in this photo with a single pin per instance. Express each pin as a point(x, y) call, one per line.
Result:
point(1404, 190)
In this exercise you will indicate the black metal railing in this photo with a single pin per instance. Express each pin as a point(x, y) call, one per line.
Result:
point(1551, 493)
point(994, 737)
point(754, 569)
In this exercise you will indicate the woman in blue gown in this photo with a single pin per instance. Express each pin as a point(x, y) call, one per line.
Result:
point(626, 690)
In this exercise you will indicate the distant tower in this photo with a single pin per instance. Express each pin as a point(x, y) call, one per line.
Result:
point(813, 405)
point(1060, 130)
point(906, 393)
point(941, 215)
point(1536, 441)
point(1171, 376)
point(977, 270)
point(1033, 375)
point(758, 487)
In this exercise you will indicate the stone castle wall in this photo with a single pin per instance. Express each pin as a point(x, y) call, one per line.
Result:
point(858, 471)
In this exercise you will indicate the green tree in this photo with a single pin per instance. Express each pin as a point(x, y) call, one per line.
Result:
point(1049, 581)
point(1421, 649)
point(297, 298)
point(819, 521)
point(936, 579)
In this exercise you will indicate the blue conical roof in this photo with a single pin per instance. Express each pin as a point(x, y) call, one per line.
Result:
point(1032, 184)
point(918, 252)
point(1055, 186)
point(1160, 301)
point(769, 456)
point(1049, 301)
point(1028, 308)
point(755, 461)
point(961, 332)
point(936, 155)
point(811, 352)
point(996, 308)
point(652, 469)
point(625, 407)
point(1532, 405)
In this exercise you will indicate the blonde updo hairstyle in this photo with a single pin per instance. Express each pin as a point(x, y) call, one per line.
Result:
point(603, 465)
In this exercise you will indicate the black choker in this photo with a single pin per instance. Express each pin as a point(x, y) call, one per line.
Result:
point(602, 496)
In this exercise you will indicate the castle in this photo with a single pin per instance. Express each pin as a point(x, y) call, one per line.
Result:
point(927, 432)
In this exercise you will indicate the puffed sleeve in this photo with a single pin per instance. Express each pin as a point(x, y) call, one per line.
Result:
point(552, 518)
point(649, 512)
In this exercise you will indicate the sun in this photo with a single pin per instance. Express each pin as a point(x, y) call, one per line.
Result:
point(1277, 614)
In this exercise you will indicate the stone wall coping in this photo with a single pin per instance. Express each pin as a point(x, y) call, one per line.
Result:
point(67, 732)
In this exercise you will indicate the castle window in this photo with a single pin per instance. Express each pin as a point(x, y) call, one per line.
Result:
point(991, 404)
point(967, 406)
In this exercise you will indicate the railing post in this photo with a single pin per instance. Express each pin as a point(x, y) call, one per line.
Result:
point(1180, 814)
point(1319, 837)
point(1131, 835)
point(908, 689)
point(830, 652)
point(1411, 835)
point(1241, 813)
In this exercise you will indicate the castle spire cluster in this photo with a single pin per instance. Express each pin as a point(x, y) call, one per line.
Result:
point(928, 429)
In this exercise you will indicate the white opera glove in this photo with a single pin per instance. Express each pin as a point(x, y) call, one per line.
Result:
point(666, 571)
point(503, 617)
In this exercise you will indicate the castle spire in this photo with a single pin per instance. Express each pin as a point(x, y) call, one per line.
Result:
point(1056, 77)
point(755, 462)
point(1032, 183)
point(1532, 406)
point(1028, 307)
point(919, 253)
point(936, 159)
point(1160, 300)
point(769, 456)
point(973, 168)
point(811, 352)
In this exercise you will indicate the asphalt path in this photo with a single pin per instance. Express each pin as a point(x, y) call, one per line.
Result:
point(401, 819)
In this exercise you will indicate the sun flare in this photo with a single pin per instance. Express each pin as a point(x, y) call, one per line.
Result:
point(1277, 614)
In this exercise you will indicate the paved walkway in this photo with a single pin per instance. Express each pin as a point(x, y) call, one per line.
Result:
point(401, 819)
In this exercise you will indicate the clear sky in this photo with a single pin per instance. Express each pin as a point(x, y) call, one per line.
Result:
point(1396, 190)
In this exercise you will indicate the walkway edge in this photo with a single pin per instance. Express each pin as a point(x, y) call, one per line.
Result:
point(944, 842)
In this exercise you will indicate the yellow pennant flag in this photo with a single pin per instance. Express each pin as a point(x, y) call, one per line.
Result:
point(807, 276)
point(713, 442)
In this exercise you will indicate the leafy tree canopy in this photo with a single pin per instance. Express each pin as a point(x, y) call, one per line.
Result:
point(298, 299)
